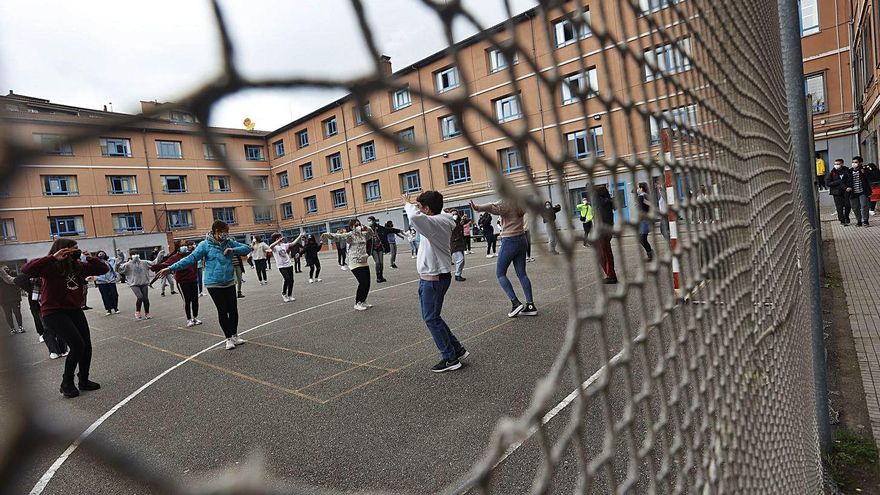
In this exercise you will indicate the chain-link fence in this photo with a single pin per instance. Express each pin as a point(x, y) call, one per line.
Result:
point(711, 395)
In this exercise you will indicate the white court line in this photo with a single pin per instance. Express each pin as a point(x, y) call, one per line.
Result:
point(558, 408)
point(50, 473)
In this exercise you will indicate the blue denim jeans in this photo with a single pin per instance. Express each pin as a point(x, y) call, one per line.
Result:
point(431, 294)
point(513, 250)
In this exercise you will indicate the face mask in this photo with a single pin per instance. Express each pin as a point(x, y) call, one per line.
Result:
point(838, 165)
point(455, 217)
point(184, 249)
point(222, 236)
point(135, 257)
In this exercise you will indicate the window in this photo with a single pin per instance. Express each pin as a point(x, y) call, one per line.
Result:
point(174, 183)
point(330, 127)
point(60, 185)
point(449, 127)
point(182, 117)
point(215, 152)
point(302, 138)
point(53, 144)
point(647, 6)
point(260, 182)
point(121, 184)
point(127, 222)
point(809, 16)
point(66, 226)
point(338, 196)
point(815, 87)
point(567, 32)
point(306, 171)
point(278, 146)
point(582, 144)
point(253, 152)
point(311, 204)
point(681, 117)
point(115, 147)
point(283, 180)
point(372, 191)
point(498, 60)
point(508, 108)
point(581, 83)
point(286, 211)
point(263, 214)
point(219, 183)
point(406, 139)
point(446, 79)
point(367, 151)
point(226, 214)
point(511, 160)
point(457, 172)
point(361, 113)
point(7, 229)
point(168, 149)
point(669, 59)
point(180, 219)
point(410, 182)
point(401, 98)
point(334, 162)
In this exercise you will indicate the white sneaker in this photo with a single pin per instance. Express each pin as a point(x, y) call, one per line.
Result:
point(285, 298)
point(197, 321)
point(190, 323)
point(52, 355)
point(488, 255)
point(237, 340)
point(201, 294)
point(368, 305)
point(41, 339)
point(65, 353)
point(360, 306)
point(318, 280)
point(108, 313)
point(311, 280)
point(230, 344)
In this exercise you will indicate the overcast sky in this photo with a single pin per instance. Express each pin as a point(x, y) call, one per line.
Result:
point(92, 53)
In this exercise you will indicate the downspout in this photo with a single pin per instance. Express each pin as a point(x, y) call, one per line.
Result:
point(425, 127)
point(348, 159)
point(150, 180)
point(540, 106)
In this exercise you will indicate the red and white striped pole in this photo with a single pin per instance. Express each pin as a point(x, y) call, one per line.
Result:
point(666, 141)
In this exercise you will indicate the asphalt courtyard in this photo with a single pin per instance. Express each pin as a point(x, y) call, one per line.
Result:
point(329, 396)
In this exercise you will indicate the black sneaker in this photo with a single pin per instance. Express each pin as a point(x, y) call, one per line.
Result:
point(610, 280)
point(462, 353)
point(68, 390)
point(446, 365)
point(88, 385)
point(650, 255)
point(529, 310)
point(516, 308)
point(393, 265)
point(459, 278)
point(240, 295)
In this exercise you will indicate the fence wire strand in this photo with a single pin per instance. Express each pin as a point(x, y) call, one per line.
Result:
point(712, 395)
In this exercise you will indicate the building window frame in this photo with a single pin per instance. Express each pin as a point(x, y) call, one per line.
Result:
point(334, 162)
point(498, 59)
point(401, 99)
point(219, 184)
point(330, 127)
point(820, 105)
point(73, 225)
point(406, 139)
point(183, 219)
point(302, 139)
point(254, 153)
point(808, 17)
point(127, 184)
point(457, 171)
point(278, 148)
point(670, 58)
point(287, 210)
point(209, 154)
point(225, 213)
point(367, 151)
point(512, 159)
point(53, 144)
point(306, 171)
point(131, 221)
point(340, 199)
point(411, 182)
point(565, 31)
point(574, 85)
point(115, 147)
point(263, 214)
point(447, 79)
point(60, 185)
point(372, 191)
point(7, 229)
point(180, 179)
point(449, 127)
point(311, 203)
point(508, 108)
point(169, 150)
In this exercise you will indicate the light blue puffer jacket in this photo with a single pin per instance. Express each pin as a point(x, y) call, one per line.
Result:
point(218, 267)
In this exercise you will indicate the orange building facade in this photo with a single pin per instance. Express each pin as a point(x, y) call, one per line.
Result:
point(865, 53)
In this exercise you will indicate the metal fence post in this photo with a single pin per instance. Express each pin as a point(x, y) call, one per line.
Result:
point(804, 171)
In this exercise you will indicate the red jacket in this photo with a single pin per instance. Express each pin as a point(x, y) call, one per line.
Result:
point(59, 292)
point(188, 274)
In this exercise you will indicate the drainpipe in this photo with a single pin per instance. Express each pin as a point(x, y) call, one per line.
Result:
point(348, 159)
point(425, 127)
point(540, 107)
point(150, 181)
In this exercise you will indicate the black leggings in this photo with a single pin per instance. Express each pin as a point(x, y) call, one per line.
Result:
point(491, 240)
point(72, 328)
point(227, 308)
point(13, 308)
point(341, 256)
point(362, 274)
point(297, 264)
point(287, 274)
point(189, 291)
point(261, 270)
point(315, 270)
point(643, 240)
point(467, 240)
point(109, 295)
point(528, 245)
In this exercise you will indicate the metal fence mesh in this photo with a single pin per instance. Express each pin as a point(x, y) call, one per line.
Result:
point(707, 396)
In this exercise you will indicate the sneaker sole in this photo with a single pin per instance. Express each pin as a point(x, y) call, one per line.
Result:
point(450, 368)
point(515, 312)
point(466, 354)
point(529, 313)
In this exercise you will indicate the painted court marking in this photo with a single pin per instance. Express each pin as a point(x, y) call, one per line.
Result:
point(44, 480)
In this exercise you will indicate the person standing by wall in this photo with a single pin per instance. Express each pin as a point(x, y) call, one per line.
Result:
point(604, 204)
point(839, 184)
point(137, 275)
point(457, 243)
point(260, 261)
point(644, 222)
point(585, 210)
point(549, 216)
point(820, 171)
point(513, 250)
point(860, 196)
point(107, 285)
point(63, 275)
point(357, 238)
point(218, 250)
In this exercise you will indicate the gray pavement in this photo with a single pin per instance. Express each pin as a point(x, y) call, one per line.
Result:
point(329, 396)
